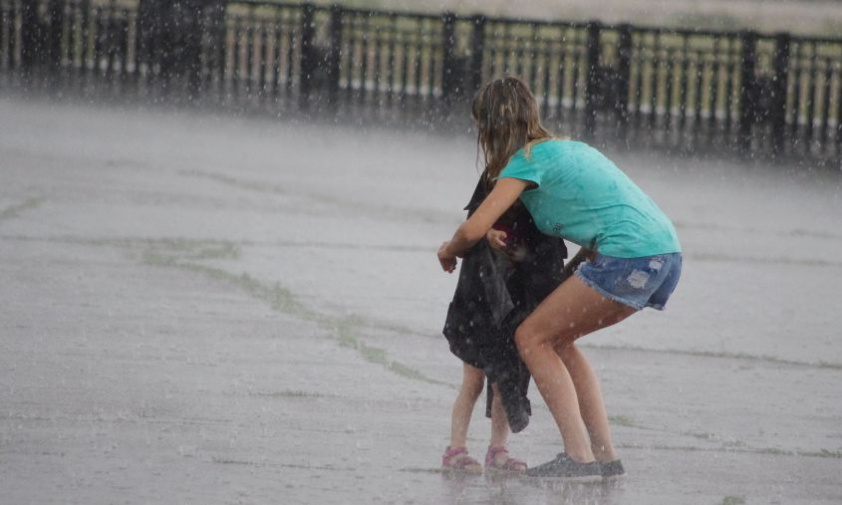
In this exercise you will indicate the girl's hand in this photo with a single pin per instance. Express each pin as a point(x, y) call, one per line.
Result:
point(446, 259)
point(497, 239)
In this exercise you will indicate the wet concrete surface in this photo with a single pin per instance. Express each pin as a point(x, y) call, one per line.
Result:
point(196, 308)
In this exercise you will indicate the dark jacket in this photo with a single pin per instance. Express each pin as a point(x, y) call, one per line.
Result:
point(493, 296)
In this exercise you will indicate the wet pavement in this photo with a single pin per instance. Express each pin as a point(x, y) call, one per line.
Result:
point(198, 308)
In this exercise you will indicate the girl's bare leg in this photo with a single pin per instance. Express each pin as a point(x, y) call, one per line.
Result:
point(591, 404)
point(473, 381)
point(499, 421)
point(572, 310)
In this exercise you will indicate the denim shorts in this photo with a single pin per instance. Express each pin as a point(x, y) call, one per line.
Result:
point(637, 282)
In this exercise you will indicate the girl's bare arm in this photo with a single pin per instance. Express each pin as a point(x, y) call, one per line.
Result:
point(504, 194)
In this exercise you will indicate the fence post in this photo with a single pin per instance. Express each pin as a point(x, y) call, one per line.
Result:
point(31, 51)
point(779, 89)
point(308, 56)
point(477, 50)
point(215, 30)
point(621, 105)
point(333, 70)
point(153, 41)
point(165, 45)
point(55, 10)
point(200, 23)
point(170, 38)
point(748, 91)
point(592, 84)
point(449, 83)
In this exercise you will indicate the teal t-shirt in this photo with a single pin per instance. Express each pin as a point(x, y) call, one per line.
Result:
point(581, 196)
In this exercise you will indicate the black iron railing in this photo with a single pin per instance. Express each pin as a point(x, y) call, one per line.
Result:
point(693, 91)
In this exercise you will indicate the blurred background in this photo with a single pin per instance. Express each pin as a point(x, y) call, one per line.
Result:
point(751, 78)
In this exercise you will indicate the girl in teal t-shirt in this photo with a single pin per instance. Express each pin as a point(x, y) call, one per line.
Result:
point(630, 258)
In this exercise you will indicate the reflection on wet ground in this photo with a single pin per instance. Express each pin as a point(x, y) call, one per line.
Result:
point(521, 490)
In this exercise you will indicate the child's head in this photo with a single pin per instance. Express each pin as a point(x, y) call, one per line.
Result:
point(507, 117)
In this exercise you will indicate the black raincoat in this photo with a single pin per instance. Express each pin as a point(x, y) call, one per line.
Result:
point(493, 296)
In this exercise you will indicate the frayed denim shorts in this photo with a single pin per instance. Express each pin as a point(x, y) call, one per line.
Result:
point(637, 282)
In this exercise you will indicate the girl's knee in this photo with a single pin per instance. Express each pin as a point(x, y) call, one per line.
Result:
point(526, 339)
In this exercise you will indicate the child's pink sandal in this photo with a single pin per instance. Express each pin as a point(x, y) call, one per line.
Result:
point(508, 465)
point(456, 459)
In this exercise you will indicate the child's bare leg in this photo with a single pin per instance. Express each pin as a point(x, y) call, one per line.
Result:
point(499, 421)
point(473, 381)
point(497, 456)
point(591, 403)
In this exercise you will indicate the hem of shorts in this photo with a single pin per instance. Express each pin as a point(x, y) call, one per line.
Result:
point(608, 295)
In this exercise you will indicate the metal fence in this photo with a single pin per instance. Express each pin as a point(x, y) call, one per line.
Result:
point(692, 91)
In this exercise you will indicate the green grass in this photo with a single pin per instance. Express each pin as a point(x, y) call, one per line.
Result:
point(725, 354)
point(290, 393)
point(702, 435)
point(621, 420)
point(13, 211)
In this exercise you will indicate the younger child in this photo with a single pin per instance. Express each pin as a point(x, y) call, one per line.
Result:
point(490, 301)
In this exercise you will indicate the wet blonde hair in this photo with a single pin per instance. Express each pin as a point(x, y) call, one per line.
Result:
point(507, 118)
